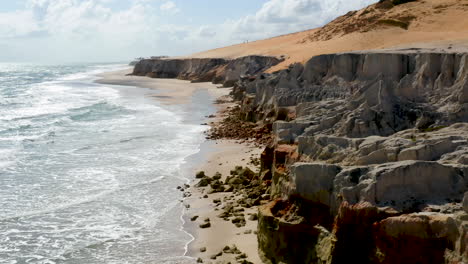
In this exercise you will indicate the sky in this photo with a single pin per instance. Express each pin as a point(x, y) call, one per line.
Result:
point(120, 30)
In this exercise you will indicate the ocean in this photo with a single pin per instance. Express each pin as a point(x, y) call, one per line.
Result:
point(88, 172)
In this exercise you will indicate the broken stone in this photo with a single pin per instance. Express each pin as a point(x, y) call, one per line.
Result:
point(205, 225)
point(217, 176)
point(253, 217)
point(200, 174)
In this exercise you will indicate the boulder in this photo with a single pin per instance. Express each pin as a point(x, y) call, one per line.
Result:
point(415, 238)
point(313, 181)
point(281, 241)
point(409, 183)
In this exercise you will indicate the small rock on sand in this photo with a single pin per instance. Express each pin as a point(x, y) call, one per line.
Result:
point(205, 225)
point(200, 174)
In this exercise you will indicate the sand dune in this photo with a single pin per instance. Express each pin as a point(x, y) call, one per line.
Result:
point(427, 24)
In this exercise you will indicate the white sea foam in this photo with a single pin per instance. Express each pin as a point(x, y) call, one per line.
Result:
point(87, 175)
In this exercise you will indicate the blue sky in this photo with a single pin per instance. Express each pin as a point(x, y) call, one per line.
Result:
point(117, 30)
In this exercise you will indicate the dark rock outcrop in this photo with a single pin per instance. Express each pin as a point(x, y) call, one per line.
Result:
point(216, 70)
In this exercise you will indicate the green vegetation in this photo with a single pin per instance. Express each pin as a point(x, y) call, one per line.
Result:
point(394, 23)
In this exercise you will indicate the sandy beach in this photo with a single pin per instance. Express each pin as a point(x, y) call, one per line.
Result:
point(223, 156)
point(166, 91)
point(215, 156)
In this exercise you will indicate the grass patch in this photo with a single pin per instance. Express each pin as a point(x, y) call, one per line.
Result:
point(394, 23)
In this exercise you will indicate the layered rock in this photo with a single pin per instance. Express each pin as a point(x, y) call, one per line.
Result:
point(376, 146)
point(216, 70)
point(363, 94)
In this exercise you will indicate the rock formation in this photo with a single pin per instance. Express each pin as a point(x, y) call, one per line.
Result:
point(370, 159)
point(369, 162)
point(222, 71)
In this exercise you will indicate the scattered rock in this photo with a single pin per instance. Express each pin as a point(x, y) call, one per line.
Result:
point(203, 249)
point(217, 176)
point(200, 174)
point(253, 217)
point(194, 218)
point(227, 250)
point(235, 250)
point(205, 181)
point(205, 225)
point(241, 256)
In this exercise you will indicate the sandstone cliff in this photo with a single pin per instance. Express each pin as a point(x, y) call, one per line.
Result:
point(369, 162)
point(370, 159)
point(223, 71)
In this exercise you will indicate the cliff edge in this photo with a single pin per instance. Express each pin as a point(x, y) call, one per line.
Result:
point(216, 70)
point(370, 158)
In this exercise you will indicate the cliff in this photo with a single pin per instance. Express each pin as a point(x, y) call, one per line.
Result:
point(223, 71)
point(370, 158)
point(369, 162)
point(438, 24)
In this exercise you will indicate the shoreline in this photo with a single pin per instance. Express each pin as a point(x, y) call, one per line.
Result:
point(213, 156)
point(222, 157)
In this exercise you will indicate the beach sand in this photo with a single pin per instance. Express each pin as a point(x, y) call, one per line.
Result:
point(166, 91)
point(222, 158)
point(215, 156)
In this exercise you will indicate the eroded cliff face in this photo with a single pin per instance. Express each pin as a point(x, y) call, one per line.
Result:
point(364, 94)
point(370, 158)
point(222, 71)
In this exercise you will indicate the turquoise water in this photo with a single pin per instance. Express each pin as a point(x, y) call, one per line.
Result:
point(88, 171)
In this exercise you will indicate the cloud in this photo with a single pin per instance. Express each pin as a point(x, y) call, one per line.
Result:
point(17, 24)
point(277, 17)
point(90, 30)
point(80, 30)
point(169, 7)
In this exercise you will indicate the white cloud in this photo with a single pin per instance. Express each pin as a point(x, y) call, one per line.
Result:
point(169, 7)
point(17, 24)
point(285, 16)
point(80, 30)
point(89, 30)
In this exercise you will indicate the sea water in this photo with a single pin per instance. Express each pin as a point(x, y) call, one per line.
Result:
point(88, 171)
